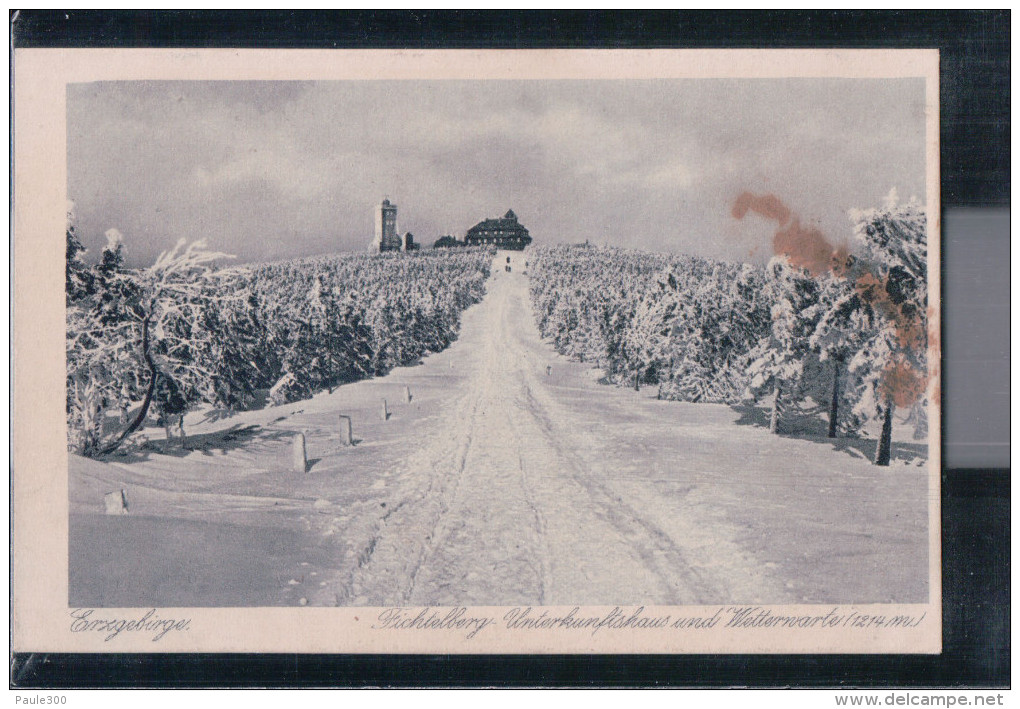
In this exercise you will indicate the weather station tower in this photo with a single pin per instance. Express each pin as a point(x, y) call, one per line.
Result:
point(386, 238)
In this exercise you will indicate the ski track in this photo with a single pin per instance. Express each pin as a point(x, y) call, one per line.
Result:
point(501, 484)
point(500, 507)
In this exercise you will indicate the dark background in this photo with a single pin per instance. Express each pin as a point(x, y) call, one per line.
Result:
point(975, 149)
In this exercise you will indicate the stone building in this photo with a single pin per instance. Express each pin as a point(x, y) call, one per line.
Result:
point(446, 242)
point(503, 233)
point(386, 237)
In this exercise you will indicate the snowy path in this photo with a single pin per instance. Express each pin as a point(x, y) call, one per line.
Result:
point(512, 477)
point(508, 510)
point(541, 486)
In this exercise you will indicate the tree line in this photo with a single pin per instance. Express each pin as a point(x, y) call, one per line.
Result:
point(152, 343)
point(852, 335)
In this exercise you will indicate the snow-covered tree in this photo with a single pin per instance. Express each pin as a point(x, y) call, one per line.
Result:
point(101, 372)
point(326, 344)
point(683, 323)
point(846, 324)
point(163, 329)
point(646, 340)
point(111, 260)
point(779, 360)
point(79, 280)
point(183, 331)
point(342, 318)
point(708, 331)
point(890, 369)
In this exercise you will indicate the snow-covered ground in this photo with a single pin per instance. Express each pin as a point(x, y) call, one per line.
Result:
point(511, 477)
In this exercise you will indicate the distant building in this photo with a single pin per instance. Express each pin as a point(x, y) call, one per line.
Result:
point(504, 233)
point(445, 242)
point(386, 237)
point(408, 242)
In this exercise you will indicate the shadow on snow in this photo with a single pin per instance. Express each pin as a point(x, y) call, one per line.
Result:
point(205, 443)
point(808, 425)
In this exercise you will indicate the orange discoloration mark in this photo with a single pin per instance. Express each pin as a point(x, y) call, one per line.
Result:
point(902, 383)
point(768, 206)
point(808, 248)
point(911, 333)
point(934, 358)
point(805, 247)
point(840, 262)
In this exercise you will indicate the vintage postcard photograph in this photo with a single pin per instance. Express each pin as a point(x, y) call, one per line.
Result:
point(455, 351)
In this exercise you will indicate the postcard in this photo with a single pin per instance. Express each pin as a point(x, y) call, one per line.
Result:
point(458, 351)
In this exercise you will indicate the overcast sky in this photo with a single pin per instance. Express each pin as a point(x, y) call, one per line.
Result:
point(270, 170)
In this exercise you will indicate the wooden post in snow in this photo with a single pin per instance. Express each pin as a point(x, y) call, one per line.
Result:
point(407, 394)
point(116, 502)
point(776, 411)
point(883, 449)
point(548, 370)
point(385, 411)
point(346, 431)
point(300, 460)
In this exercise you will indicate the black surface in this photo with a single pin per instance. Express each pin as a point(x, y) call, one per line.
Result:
point(974, 78)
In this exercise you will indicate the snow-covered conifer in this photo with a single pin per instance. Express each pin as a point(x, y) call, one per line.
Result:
point(79, 279)
point(779, 360)
point(890, 370)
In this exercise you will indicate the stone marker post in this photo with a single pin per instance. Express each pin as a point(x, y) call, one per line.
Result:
point(346, 431)
point(300, 462)
point(116, 502)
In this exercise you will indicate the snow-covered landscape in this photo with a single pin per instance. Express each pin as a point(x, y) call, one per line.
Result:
point(512, 476)
point(695, 361)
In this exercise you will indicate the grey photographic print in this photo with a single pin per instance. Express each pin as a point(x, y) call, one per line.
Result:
point(587, 413)
point(483, 363)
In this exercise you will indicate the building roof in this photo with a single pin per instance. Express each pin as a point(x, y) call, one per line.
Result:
point(507, 222)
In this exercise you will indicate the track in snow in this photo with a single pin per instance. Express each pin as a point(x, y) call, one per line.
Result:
point(500, 484)
point(502, 509)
